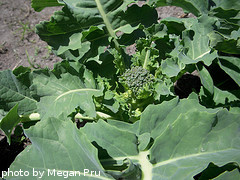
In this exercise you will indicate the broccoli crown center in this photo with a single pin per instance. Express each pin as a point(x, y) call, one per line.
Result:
point(136, 78)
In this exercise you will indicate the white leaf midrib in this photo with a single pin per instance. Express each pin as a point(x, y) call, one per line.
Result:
point(74, 91)
point(105, 19)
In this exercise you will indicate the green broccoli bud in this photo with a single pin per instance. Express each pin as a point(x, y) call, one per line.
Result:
point(139, 81)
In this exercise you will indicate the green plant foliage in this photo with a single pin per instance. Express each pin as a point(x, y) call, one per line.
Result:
point(185, 139)
point(58, 150)
point(9, 122)
point(14, 92)
point(2, 114)
point(131, 123)
point(195, 6)
point(101, 19)
point(39, 5)
point(229, 175)
point(68, 90)
point(231, 66)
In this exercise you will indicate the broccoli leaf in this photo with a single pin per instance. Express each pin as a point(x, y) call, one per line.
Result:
point(197, 7)
point(13, 92)
point(101, 19)
point(39, 5)
point(196, 40)
point(229, 175)
point(206, 78)
point(186, 137)
point(58, 145)
point(9, 122)
point(64, 94)
point(230, 4)
point(231, 66)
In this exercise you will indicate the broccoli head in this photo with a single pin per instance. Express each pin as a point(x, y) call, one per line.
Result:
point(139, 81)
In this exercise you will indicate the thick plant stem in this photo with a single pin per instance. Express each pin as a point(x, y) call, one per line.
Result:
point(100, 115)
point(36, 116)
point(111, 32)
point(146, 59)
point(146, 166)
point(108, 24)
point(31, 117)
point(80, 116)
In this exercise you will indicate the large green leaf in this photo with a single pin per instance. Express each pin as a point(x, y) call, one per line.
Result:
point(168, 112)
point(57, 145)
point(113, 152)
point(230, 15)
point(14, 92)
point(109, 14)
point(196, 41)
point(106, 17)
point(194, 140)
point(198, 7)
point(115, 148)
point(220, 98)
point(226, 36)
point(181, 138)
point(64, 94)
point(125, 126)
point(187, 137)
point(225, 98)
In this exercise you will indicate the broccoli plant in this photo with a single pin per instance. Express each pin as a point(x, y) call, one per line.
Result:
point(132, 124)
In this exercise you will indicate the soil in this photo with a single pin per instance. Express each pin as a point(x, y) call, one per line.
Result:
point(20, 46)
point(18, 41)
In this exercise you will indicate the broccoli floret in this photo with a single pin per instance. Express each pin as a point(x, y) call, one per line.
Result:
point(139, 81)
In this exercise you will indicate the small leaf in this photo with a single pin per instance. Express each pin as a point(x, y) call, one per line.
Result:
point(230, 4)
point(170, 67)
point(231, 65)
point(13, 92)
point(132, 172)
point(39, 5)
point(9, 122)
point(206, 78)
point(144, 140)
point(197, 7)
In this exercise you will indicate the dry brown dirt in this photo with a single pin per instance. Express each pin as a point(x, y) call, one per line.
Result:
point(18, 41)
